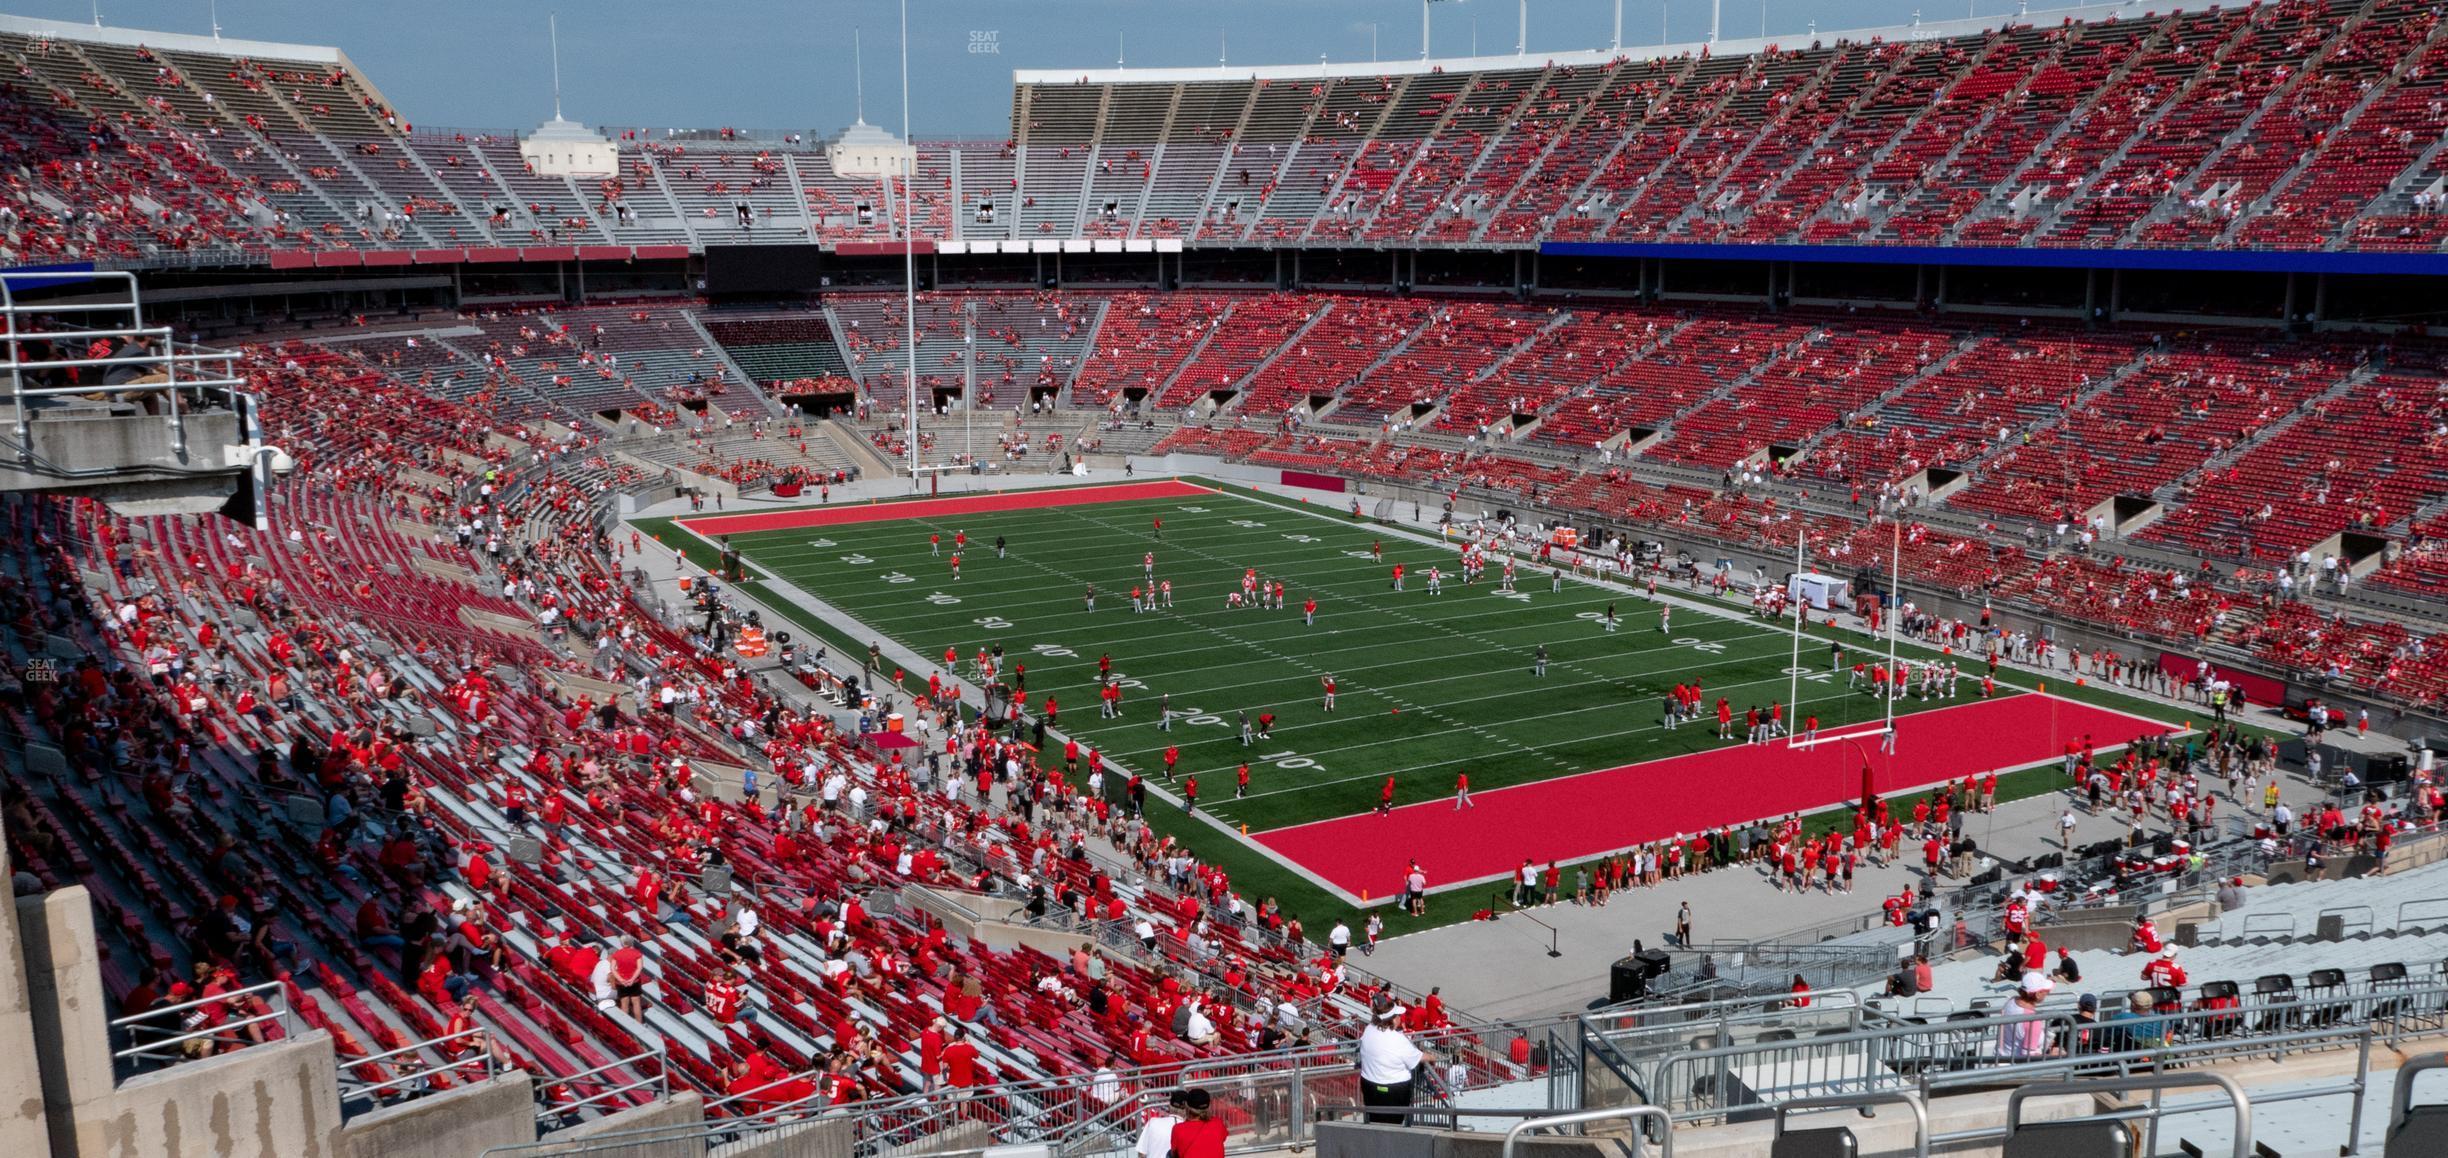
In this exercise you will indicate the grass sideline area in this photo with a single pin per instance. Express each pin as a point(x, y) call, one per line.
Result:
point(1402, 660)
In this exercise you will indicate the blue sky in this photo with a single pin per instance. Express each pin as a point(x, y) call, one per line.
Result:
point(787, 65)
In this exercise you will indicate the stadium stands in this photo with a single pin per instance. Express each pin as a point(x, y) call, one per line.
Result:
point(2299, 125)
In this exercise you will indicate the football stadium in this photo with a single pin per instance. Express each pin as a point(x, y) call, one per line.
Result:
point(1838, 580)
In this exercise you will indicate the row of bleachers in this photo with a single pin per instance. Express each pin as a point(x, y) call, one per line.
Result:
point(1145, 338)
point(782, 349)
point(2363, 460)
point(2161, 422)
point(1991, 393)
point(2144, 131)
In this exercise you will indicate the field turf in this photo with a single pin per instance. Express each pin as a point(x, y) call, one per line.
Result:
point(1430, 686)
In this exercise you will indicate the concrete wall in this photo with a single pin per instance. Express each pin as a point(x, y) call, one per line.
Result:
point(992, 920)
point(23, 1129)
point(459, 1123)
point(674, 1115)
point(832, 1138)
point(1890, 1132)
point(1363, 1140)
point(279, 1100)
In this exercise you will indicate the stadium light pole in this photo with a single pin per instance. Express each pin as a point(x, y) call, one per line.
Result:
point(909, 250)
point(1618, 43)
point(969, 378)
point(1895, 598)
point(1521, 31)
point(1793, 588)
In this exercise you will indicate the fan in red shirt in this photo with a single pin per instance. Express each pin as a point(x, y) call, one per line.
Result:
point(2163, 970)
point(725, 998)
point(960, 1059)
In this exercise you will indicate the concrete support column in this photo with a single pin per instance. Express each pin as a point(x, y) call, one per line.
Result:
point(70, 1017)
point(23, 1130)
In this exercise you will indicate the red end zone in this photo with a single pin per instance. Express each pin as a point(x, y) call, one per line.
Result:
point(1595, 813)
point(946, 507)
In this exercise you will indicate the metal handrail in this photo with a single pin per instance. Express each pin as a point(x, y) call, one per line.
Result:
point(1655, 1113)
point(2401, 1097)
point(657, 1079)
point(274, 995)
point(1900, 1056)
point(2242, 1142)
point(352, 1087)
point(1910, 1101)
point(203, 378)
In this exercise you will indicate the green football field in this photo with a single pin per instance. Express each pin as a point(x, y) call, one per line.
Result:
point(1429, 686)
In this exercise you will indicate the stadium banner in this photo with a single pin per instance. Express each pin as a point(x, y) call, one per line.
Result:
point(1315, 482)
point(25, 277)
point(1820, 591)
point(2186, 260)
point(2257, 689)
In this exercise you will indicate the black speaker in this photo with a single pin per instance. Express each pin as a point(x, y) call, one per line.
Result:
point(1654, 962)
point(2389, 769)
point(1627, 981)
point(2048, 861)
point(1991, 877)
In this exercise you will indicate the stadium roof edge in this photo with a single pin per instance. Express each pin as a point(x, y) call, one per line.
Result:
point(1927, 30)
point(176, 41)
point(190, 42)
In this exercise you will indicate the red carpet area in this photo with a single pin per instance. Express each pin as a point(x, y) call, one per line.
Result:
point(1595, 813)
point(949, 506)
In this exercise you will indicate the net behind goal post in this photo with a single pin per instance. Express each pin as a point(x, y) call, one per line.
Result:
point(1384, 512)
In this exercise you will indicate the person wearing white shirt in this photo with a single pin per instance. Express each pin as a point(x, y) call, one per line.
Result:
point(1387, 1059)
point(1201, 1030)
point(600, 981)
point(1339, 939)
point(1156, 1137)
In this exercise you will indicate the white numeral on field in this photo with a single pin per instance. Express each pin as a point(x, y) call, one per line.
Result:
point(993, 622)
point(1053, 650)
point(821, 544)
point(857, 560)
point(1301, 538)
point(1288, 760)
point(1706, 645)
point(1192, 510)
point(942, 600)
point(897, 577)
point(1247, 523)
point(1811, 675)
